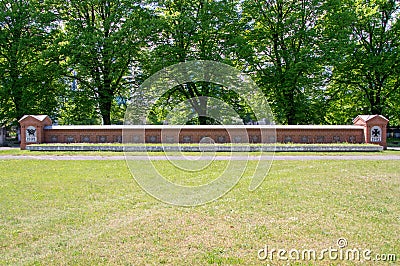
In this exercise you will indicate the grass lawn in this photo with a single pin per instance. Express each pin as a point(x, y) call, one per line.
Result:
point(93, 213)
point(18, 152)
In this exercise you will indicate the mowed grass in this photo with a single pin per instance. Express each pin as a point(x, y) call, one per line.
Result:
point(93, 213)
point(18, 152)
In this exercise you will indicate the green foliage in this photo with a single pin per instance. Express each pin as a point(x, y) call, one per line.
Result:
point(77, 108)
point(221, 106)
point(317, 61)
point(368, 68)
point(287, 61)
point(102, 43)
point(28, 66)
point(193, 30)
point(189, 30)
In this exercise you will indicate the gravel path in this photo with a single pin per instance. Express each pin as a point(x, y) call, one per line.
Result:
point(218, 158)
point(7, 148)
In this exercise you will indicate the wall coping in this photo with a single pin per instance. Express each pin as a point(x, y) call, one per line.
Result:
point(218, 148)
point(40, 118)
point(120, 127)
point(367, 118)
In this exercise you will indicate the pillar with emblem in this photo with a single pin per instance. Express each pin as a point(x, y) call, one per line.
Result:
point(374, 128)
point(32, 129)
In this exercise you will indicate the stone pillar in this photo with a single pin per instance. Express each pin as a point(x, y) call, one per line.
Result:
point(374, 128)
point(32, 127)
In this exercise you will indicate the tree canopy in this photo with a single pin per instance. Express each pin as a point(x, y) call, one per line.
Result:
point(317, 61)
point(29, 62)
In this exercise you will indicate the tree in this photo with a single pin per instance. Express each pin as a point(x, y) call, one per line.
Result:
point(29, 69)
point(194, 30)
point(104, 39)
point(77, 108)
point(284, 38)
point(369, 67)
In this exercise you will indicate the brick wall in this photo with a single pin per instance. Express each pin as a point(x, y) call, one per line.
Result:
point(77, 135)
point(288, 134)
point(362, 131)
point(320, 134)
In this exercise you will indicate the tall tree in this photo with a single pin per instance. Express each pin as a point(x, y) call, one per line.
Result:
point(195, 30)
point(29, 68)
point(104, 39)
point(284, 37)
point(369, 68)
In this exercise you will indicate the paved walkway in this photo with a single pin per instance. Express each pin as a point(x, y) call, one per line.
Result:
point(234, 157)
point(217, 158)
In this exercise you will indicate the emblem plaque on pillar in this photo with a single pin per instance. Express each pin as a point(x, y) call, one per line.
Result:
point(31, 134)
point(376, 134)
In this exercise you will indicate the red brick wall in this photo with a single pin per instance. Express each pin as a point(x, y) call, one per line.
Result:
point(190, 135)
point(82, 135)
point(350, 135)
point(359, 133)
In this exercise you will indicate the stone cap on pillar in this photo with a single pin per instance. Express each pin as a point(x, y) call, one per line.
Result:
point(374, 128)
point(366, 119)
point(32, 129)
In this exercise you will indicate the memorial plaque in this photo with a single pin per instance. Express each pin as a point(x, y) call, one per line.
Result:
point(376, 134)
point(31, 134)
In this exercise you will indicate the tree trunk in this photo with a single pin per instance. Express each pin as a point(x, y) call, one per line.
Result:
point(105, 101)
point(290, 107)
point(105, 111)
